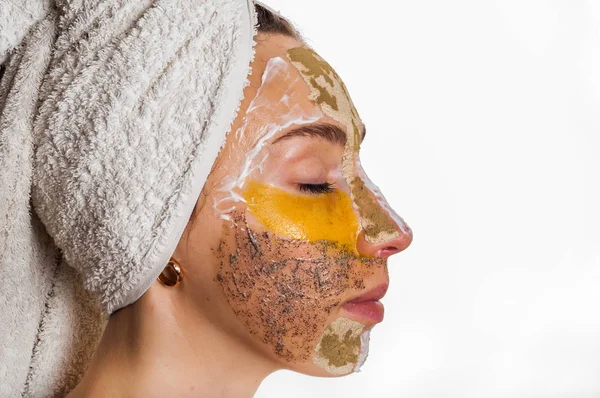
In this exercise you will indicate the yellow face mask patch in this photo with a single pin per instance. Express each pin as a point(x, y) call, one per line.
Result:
point(323, 217)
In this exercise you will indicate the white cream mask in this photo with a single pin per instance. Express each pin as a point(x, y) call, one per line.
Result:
point(281, 111)
point(286, 275)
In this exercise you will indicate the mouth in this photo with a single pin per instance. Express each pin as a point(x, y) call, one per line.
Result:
point(367, 306)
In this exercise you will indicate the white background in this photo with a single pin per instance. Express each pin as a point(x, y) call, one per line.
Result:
point(483, 122)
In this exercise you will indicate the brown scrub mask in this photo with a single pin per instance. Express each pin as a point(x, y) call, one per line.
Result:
point(294, 202)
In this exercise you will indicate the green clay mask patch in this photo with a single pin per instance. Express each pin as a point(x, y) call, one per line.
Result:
point(331, 95)
point(340, 350)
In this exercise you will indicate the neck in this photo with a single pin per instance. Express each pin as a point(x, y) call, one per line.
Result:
point(150, 349)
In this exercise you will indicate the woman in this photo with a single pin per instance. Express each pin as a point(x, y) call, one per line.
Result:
point(284, 257)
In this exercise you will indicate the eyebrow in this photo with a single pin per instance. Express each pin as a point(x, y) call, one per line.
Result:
point(327, 131)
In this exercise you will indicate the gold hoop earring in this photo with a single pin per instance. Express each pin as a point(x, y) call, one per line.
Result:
point(172, 274)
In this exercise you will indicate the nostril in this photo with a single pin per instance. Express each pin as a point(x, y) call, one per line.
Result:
point(387, 251)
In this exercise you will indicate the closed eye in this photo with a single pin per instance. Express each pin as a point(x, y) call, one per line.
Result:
point(316, 188)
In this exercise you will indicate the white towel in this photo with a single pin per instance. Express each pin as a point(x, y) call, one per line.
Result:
point(112, 113)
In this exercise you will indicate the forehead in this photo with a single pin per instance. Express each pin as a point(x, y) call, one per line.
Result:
point(282, 85)
point(281, 98)
point(288, 76)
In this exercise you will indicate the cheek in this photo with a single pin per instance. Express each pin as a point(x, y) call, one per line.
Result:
point(327, 217)
point(285, 290)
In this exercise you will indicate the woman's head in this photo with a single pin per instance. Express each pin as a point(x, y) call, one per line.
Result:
point(286, 251)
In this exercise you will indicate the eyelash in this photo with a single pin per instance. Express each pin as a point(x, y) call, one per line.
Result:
point(316, 188)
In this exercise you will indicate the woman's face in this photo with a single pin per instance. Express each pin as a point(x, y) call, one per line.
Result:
point(290, 242)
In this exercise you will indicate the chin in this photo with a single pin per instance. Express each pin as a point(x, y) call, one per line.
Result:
point(341, 350)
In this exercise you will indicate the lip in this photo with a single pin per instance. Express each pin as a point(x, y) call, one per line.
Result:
point(367, 305)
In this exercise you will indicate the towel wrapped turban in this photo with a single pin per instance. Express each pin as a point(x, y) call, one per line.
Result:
point(112, 113)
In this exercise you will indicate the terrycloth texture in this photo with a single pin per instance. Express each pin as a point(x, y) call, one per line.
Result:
point(112, 113)
point(16, 18)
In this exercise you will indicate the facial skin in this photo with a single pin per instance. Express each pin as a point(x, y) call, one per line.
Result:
point(296, 228)
point(286, 232)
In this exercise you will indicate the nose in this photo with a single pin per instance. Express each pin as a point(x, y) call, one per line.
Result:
point(382, 232)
